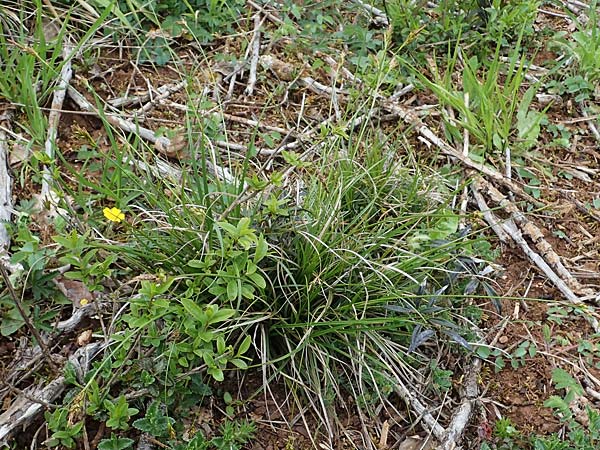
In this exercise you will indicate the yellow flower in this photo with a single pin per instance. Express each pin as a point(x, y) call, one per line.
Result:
point(84, 301)
point(113, 214)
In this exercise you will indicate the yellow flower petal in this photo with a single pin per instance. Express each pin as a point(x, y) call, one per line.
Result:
point(113, 214)
point(83, 302)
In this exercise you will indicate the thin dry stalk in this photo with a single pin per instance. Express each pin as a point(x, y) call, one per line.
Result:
point(47, 195)
point(255, 55)
point(540, 242)
point(162, 143)
point(5, 182)
point(34, 331)
point(164, 92)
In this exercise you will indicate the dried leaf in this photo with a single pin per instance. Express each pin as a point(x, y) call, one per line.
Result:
point(74, 290)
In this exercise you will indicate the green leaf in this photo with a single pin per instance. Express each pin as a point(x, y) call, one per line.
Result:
point(563, 380)
point(261, 249)
point(221, 347)
point(245, 345)
point(196, 264)
point(499, 363)
point(221, 315)
point(244, 225)
point(114, 8)
point(483, 352)
point(115, 443)
point(155, 422)
point(216, 373)
point(206, 336)
point(183, 362)
point(194, 310)
point(232, 290)
point(247, 291)
point(258, 280)
point(555, 402)
point(520, 352)
point(528, 122)
point(239, 363)
point(229, 229)
point(11, 322)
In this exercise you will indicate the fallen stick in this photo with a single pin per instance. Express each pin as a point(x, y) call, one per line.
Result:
point(590, 123)
point(492, 220)
point(272, 17)
point(339, 67)
point(5, 183)
point(79, 314)
point(16, 300)
point(286, 73)
point(23, 411)
point(540, 242)
point(25, 364)
point(381, 17)
point(47, 195)
point(417, 406)
point(255, 55)
point(514, 232)
point(463, 413)
point(581, 207)
point(164, 92)
point(412, 119)
point(162, 143)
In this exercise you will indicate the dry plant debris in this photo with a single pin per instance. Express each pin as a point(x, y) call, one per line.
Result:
point(273, 110)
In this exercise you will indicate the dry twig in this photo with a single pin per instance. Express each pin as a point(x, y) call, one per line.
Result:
point(380, 18)
point(164, 92)
point(19, 304)
point(5, 182)
point(492, 220)
point(463, 413)
point(255, 55)
point(47, 196)
point(542, 245)
point(23, 411)
point(162, 143)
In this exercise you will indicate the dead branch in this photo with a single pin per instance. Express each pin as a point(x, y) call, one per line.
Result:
point(463, 413)
point(590, 123)
point(161, 143)
point(5, 182)
point(255, 55)
point(23, 410)
point(27, 362)
point(380, 17)
point(164, 92)
point(28, 322)
point(47, 195)
point(269, 15)
point(412, 119)
point(420, 409)
point(125, 125)
point(514, 232)
point(492, 220)
point(286, 73)
point(540, 242)
point(79, 314)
